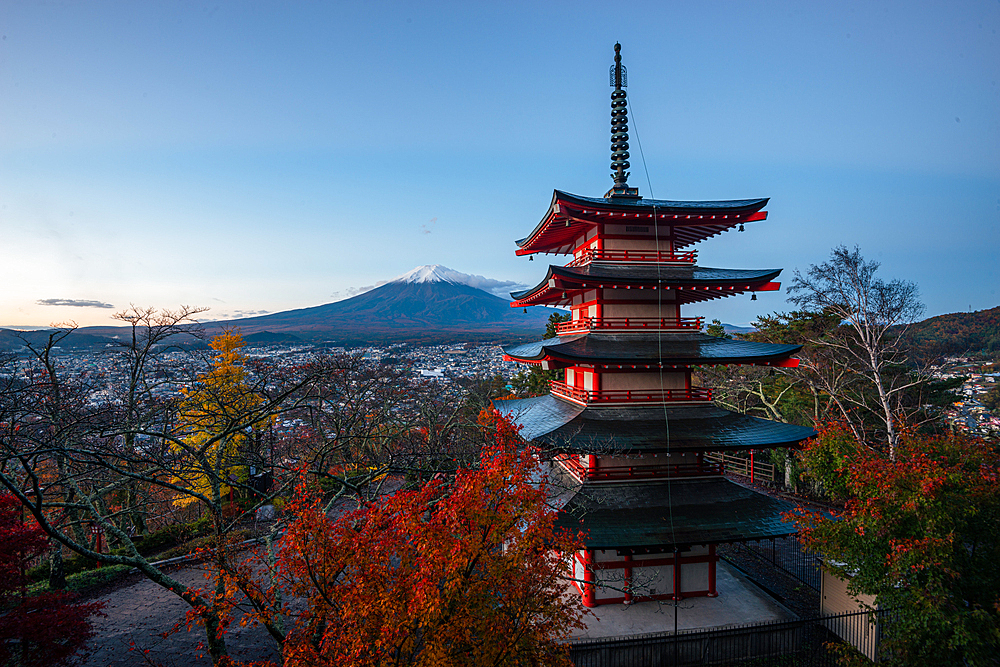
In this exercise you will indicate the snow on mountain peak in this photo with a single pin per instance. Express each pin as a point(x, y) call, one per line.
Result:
point(435, 273)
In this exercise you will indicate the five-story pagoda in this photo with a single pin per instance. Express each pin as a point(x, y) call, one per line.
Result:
point(629, 429)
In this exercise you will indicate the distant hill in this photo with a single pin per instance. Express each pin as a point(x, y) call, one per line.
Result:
point(958, 333)
point(733, 329)
point(428, 305)
point(12, 339)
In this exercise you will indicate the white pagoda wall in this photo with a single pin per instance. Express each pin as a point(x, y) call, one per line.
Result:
point(645, 581)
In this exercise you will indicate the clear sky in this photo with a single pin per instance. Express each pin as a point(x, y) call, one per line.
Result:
point(263, 156)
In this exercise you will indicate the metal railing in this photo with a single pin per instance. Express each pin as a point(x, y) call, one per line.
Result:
point(802, 642)
point(610, 396)
point(665, 256)
point(786, 554)
point(630, 324)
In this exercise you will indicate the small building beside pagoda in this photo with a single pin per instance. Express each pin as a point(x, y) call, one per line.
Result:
point(628, 430)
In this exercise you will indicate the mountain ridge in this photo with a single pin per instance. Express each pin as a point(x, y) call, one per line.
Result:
point(429, 304)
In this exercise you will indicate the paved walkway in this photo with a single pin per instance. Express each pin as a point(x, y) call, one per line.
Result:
point(739, 601)
point(140, 612)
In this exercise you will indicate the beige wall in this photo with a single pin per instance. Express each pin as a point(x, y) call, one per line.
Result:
point(642, 381)
point(652, 310)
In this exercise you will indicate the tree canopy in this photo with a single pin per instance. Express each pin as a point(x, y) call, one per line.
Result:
point(921, 533)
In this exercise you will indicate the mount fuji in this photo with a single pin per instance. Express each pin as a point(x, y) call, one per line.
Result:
point(428, 304)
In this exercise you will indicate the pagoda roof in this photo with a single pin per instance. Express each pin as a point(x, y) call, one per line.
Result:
point(649, 349)
point(675, 513)
point(569, 216)
point(693, 283)
point(559, 424)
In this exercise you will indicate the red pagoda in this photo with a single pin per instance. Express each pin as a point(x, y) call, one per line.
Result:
point(628, 429)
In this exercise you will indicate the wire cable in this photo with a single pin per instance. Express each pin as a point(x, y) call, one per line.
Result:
point(659, 349)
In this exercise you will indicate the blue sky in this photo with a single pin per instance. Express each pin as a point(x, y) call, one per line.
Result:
point(262, 156)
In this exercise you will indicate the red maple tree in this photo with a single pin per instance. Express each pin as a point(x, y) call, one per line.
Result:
point(465, 570)
point(921, 533)
point(35, 630)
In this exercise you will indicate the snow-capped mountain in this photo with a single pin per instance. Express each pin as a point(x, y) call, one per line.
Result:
point(428, 303)
point(435, 273)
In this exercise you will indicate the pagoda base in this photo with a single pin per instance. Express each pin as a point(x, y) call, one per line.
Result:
point(603, 576)
point(739, 601)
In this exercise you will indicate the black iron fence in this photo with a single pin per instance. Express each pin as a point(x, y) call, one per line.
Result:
point(814, 642)
point(786, 554)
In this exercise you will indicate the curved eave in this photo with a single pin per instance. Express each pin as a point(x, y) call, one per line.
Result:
point(639, 352)
point(557, 424)
point(692, 284)
point(703, 511)
point(570, 216)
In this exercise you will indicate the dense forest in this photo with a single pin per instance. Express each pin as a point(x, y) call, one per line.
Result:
point(958, 333)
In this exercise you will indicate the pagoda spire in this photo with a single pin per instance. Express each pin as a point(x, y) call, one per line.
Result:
point(619, 130)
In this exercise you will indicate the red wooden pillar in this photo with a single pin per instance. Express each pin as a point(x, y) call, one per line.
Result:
point(677, 575)
point(97, 532)
point(712, 558)
point(591, 465)
point(751, 466)
point(589, 577)
point(627, 584)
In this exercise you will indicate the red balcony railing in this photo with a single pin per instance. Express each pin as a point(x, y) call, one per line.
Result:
point(613, 473)
point(610, 396)
point(586, 324)
point(588, 256)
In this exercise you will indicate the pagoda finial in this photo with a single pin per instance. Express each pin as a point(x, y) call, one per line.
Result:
point(619, 130)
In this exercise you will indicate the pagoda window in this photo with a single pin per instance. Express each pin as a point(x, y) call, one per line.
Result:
point(635, 229)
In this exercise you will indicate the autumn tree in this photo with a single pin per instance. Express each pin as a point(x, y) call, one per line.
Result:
point(67, 457)
point(42, 630)
point(921, 533)
point(992, 399)
point(210, 451)
point(465, 570)
point(876, 313)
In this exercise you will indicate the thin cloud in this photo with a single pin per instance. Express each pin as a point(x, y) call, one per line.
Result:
point(429, 227)
point(354, 291)
point(235, 315)
point(76, 303)
point(500, 288)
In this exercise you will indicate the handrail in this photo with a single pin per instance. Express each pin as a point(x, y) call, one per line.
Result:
point(631, 323)
point(591, 255)
point(587, 397)
point(607, 473)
